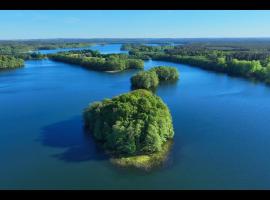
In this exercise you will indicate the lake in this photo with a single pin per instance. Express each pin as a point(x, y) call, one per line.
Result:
point(221, 127)
point(105, 49)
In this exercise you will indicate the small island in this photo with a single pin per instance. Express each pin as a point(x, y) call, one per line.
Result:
point(134, 128)
point(150, 79)
point(101, 62)
point(10, 62)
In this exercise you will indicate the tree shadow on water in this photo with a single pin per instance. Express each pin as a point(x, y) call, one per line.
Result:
point(77, 143)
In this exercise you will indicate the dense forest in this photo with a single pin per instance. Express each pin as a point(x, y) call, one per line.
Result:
point(10, 62)
point(130, 124)
point(144, 80)
point(28, 50)
point(249, 60)
point(166, 73)
point(13, 53)
point(23, 46)
point(150, 79)
point(96, 61)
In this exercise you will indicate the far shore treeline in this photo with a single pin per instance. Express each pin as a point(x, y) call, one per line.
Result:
point(249, 60)
point(14, 53)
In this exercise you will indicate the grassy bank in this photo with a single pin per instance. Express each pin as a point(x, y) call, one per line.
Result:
point(145, 162)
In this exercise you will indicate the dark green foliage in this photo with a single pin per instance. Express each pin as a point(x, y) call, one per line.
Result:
point(96, 61)
point(10, 62)
point(145, 80)
point(267, 75)
point(18, 47)
point(26, 49)
point(31, 56)
point(166, 73)
point(36, 56)
point(144, 48)
point(134, 123)
point(48, 46)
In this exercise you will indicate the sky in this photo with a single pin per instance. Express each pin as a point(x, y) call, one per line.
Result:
point(41, 24)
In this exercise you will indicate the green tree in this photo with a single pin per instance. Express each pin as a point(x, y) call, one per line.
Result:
point(134, 123)
point(95, 61)
point(166, 73)
point(144, 80)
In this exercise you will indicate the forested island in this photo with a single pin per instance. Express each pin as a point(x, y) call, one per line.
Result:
point(134, 128)
point(249, 60)
point(151, 78)
point(100, 62)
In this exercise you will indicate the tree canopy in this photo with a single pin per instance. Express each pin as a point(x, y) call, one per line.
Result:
point(150, 79)
point(166, 73)
point(134, 123)
point(10, 62)
point(96, 61)
point(245, 59)
point(27, 50)
point(145, 80)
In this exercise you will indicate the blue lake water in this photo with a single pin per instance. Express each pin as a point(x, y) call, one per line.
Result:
point(105, 49)
point(221, 127)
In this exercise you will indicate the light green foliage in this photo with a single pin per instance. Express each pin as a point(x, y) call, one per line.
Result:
point(135, 64)
point(244, 67)
point(96, 61)
point(221, 61)
point(245, 60)
point(151, 78)
point(145, 162)
point(166, 73)
point(144, 80)
point(10, 62)
point(134, 123)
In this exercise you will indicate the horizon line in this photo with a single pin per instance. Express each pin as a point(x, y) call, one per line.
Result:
point(106, 38)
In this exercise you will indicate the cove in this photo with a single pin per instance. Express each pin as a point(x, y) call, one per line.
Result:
point(221, 130)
